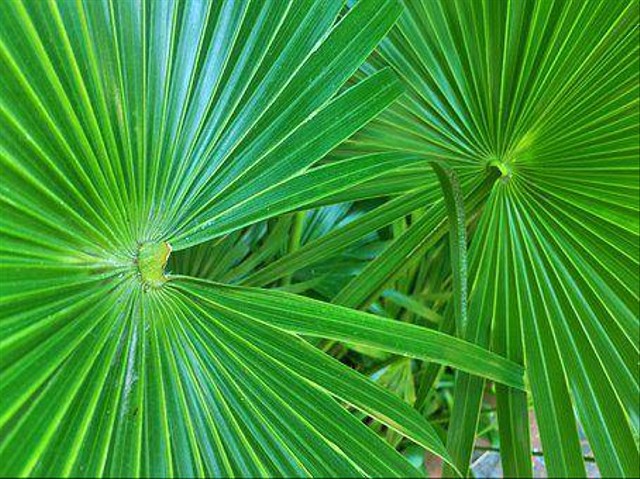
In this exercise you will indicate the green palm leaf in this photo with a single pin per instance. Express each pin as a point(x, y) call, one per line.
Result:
point(546, 93)
point(133, 133)
point(133, 128)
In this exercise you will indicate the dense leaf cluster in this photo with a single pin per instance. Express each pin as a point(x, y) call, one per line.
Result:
point(308, 238)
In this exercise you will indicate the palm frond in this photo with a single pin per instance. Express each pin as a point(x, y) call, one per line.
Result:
point(546, 93)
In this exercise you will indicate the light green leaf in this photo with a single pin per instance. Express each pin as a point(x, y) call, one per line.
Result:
point(296, 314)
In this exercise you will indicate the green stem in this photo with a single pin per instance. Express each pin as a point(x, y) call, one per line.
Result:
point(294, 240)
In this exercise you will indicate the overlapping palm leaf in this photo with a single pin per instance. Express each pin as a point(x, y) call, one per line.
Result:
point(546, 93)
point(130, 126)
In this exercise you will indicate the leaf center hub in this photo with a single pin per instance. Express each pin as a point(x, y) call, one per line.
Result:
point(152, 259)
point(505, 168)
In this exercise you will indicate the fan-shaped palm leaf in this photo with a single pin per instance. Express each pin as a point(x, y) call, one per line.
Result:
point(128, 128)
point(547, 93)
